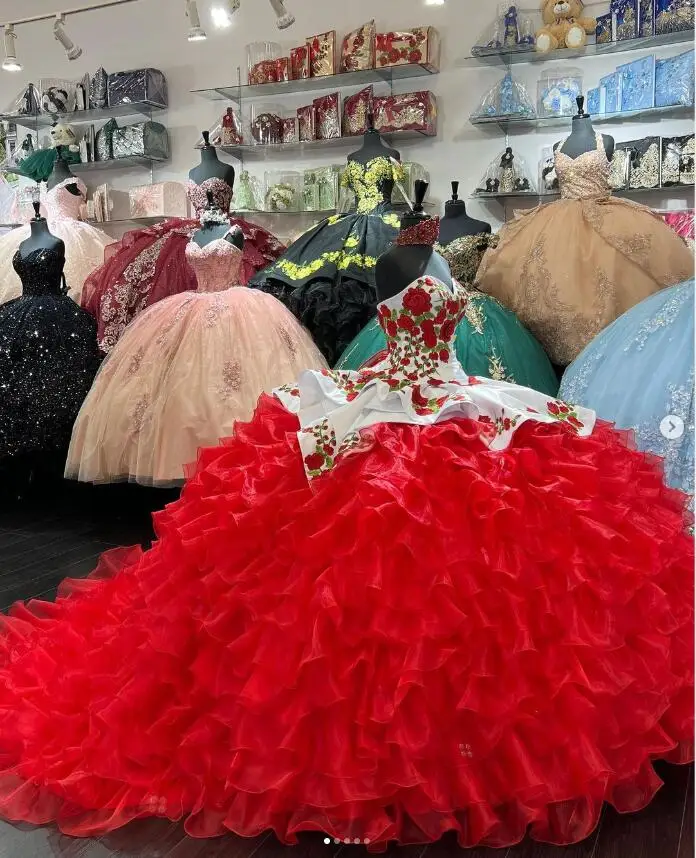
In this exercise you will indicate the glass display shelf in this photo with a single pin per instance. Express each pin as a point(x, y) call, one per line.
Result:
point(116, 164)
point(123, 221)
point(647, 114)
point(554, 195)
point(81, 117)
point(241, 92)
point(495, 56)
point(10, 225)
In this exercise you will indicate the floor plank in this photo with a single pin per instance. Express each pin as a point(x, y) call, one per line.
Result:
point(686, 837)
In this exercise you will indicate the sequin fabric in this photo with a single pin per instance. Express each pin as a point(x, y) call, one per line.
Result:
point(465, 253)
point(48, 358)
point(217, 265)
point(198, 194)
point(585, 177)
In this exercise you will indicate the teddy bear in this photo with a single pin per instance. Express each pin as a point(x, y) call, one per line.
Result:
point(564, 25)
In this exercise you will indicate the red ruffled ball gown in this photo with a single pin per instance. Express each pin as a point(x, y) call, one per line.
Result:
point(149, 264)
point(397, 602)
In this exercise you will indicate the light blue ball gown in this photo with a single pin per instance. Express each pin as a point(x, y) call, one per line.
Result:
point(640, 370)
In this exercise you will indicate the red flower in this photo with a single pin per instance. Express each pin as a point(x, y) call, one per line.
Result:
point(349, 397)
point(314, 462)
point(436, 382)
point(405, 361)
point(417, 301)
point(294, 392)
point(553, 408)
point(563, 408)
point(393, 55)
point(429, 336)
point(384, 312)
point(575, 422)
point(359, 41)
point(484, 419)
point(428, 281)
point(452, 307)
point(415, 56)
point(391, 328)
point(328, 449)
point(447, 330)
point(412, 376)
point(507, 424)
point(444, 355)
point(418, 399)
point(393, 383)
point(473, 380)
point(406, 323)
point(441, 316)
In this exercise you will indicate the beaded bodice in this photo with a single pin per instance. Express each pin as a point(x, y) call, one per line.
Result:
point(41, 271)
point(464, 255)
point(585, 177)
point(217, 266)
point(198, 194)
point(60, 203)
point(372, 182)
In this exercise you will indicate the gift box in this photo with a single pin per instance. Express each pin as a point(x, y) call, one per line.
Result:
point(624, 19)
point(644, 163)
point(646, 18)
point(327, 118)
point(604, 33)
point(99, 89)
point(637, 84)
point(282, 69)
point(356, 109)
point(283, 191)
point(594, 105)
point(420, 45)
point(322, 54)
point(358, 49)
point(686, 162)
point(289, 130)
point(266, 125)
point(299, 63)
point(557, 92)
point(138, 86)
point(104, 141)
point(142, 140)
point(610, 93)
point(230, 133)
point(265, 71)
point(674, 80)
point(57, 95)
point(321, 189)
point(163, 199)
point(412, 111)
point(673, 15)
point(672, 148)
point(305, 123)
point(618, 169)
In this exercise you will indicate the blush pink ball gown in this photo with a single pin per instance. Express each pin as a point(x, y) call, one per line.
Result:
point(147, 265)
point(184, 372)
point(84, 244)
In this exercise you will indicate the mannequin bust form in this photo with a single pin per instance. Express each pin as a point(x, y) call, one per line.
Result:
point(582, 136)
point(211, 167)
point(60, 172)
point(456, 222)
point(40, 238)
point(215, 225)
point(412, 256)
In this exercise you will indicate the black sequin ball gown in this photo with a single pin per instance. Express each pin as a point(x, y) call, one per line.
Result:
point(327, 277)
point(48, 358)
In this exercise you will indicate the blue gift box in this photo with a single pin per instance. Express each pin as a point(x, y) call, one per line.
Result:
point(646, 17)
point(603, 33)
point(673, 15)
point(637, 84)
point(593, 101)
point(624, 19)
point(610, 93)
point(674, 80)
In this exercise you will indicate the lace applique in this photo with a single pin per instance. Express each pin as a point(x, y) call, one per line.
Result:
point(61, 204)
point(217, 265)
point(198, 194)
point(465, 253)
point(231, 379)
point(139, 413)
point(136, 360)
point(367, 180)
point(585, 177)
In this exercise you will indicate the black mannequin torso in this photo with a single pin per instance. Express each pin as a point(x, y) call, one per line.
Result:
point(456, 222)
point(60, 172)
point(211, 167)
point(40, 237)
point(583, 137)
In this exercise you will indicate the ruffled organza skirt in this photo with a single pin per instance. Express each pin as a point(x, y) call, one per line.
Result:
point(569, 268)
point(150, 264)
point(84, 252)
point(433, 637)
point(180, 377)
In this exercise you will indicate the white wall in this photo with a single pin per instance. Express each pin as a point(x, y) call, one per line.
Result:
point(153, 32)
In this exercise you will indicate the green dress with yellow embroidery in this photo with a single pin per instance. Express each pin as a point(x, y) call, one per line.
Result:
point(490, 340)
point(327, 277)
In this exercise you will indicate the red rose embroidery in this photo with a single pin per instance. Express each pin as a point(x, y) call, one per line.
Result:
point(553, 408)
point(417, 301)
point(447, 330)
point(452, 307)
point(575, 422)
point(314, 462)
point(384, 312)
point(418, 399)
point(415, 56)
point(412, 376)
point(294, 392)
point(328, 449)
point(391, 328)
point(444, 355)
point(484, 419)
point(406, 323)
point(563, 408)
point(507, 424)
point(393, 55)
point(352, 395)
point(473, 380)
point(405, 361)
point(429, 335)
point(441, 316)
point(392, 382)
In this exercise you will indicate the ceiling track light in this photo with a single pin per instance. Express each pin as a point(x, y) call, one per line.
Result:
point(285, 19)
point(196, 33)
point(72, 51)
point(434, 2)
point(222, 12)
point(10, 63)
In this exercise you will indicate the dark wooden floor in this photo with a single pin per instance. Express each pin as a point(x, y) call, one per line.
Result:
point(57, 530)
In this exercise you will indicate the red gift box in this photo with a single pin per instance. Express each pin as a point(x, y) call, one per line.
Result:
point(355, 112)
point(420, 45)
point(358, 49)
point(282, 69)
point(322, 54)
point(412, 111)
point(264, 72)
point(299, 63)
point(305, 122)
point(327, 120)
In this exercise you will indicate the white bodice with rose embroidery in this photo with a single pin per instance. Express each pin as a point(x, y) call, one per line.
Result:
point(420, 381)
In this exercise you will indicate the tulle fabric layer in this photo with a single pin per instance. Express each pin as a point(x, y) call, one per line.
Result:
point(434, 637)
point(147, 265)
point(184, 371)
point(569, 268)
point(84, 252)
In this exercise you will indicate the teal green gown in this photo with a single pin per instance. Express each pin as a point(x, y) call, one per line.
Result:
point(490, 340)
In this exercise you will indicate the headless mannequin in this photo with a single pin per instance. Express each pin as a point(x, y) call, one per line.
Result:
point(214, 230)
point(374, 147)
point(60, 172)
point(582, 136)
point(401, 265)
point(40, 238)
point(211, 167)
point(456, 222)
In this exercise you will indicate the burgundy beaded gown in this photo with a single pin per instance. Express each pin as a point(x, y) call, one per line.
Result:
point(149, 264)
point(397, 602)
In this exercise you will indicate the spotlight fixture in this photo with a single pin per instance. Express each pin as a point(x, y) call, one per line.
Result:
point(11, 63)
point(285, 19)
point(222, 12)
point(72, 50)
point(196, 33)
point(434, 2)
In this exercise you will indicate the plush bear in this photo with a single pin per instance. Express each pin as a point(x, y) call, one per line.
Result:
point(564, 25)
